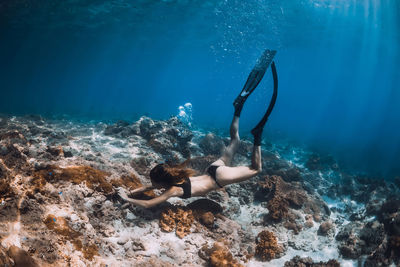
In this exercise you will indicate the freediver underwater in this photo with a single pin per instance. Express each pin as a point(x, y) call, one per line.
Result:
point(177, 181)
point(119, 145)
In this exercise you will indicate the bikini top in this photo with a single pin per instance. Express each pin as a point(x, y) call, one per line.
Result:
point(187, 188)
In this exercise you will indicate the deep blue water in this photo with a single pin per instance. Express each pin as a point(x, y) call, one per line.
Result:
point(338, 65)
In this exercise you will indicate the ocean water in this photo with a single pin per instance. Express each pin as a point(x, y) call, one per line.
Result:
point(338, 64)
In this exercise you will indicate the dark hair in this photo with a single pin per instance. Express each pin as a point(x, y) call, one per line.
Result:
point(170, 175)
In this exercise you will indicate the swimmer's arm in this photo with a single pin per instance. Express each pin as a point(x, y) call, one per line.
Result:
point(141, 189)
point(171, 192)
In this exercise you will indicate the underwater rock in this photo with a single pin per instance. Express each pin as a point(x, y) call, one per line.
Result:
point(21, 257)
point(148, 127)
point(205, 205)
point(212, 144)
point(283, 198)
point(309, 221)
point(200, 164)
point(13, 137)
point(297, 261)
point(350, 247)
point(35, 118)
point(389, 215)
point(57, 137)
point(3, 122)
point(153, 261)
point(357, 238)
point(55, 151)
point(267, 247)
point(68, 154)
point(294, 226)
point(31, 213)
point(319, 162)
point(62, 228)
point(14, 158)
point(142, 165)
point(396, 181)
point(383, 241)
point(218, 255)
point(122, 129)
point(272, 165)
point(6, 190)
point(166, 137)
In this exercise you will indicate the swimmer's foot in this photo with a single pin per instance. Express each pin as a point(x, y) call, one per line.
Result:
point(254, 79)
point(257, 131)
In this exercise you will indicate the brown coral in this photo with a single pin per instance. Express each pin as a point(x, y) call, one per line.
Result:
point(267, 246)
point(278, 208)
point(218, 255)
point(94, 179)
point(179, 218)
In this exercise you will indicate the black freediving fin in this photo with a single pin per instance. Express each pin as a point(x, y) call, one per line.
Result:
point(257, 131)
point(254, 79)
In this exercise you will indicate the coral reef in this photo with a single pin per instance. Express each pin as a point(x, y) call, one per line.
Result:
point(267, 247)
point(58, 202)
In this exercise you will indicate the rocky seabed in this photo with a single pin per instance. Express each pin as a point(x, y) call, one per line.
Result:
point(59, 204)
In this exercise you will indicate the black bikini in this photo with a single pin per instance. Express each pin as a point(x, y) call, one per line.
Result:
point(187, 188)
point(212, 171)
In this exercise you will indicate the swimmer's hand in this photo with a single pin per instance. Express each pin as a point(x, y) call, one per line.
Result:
point(122, 194)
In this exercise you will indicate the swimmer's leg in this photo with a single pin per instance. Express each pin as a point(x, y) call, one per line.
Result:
point(229, 175)
point(254, 79)
point(230, 150)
